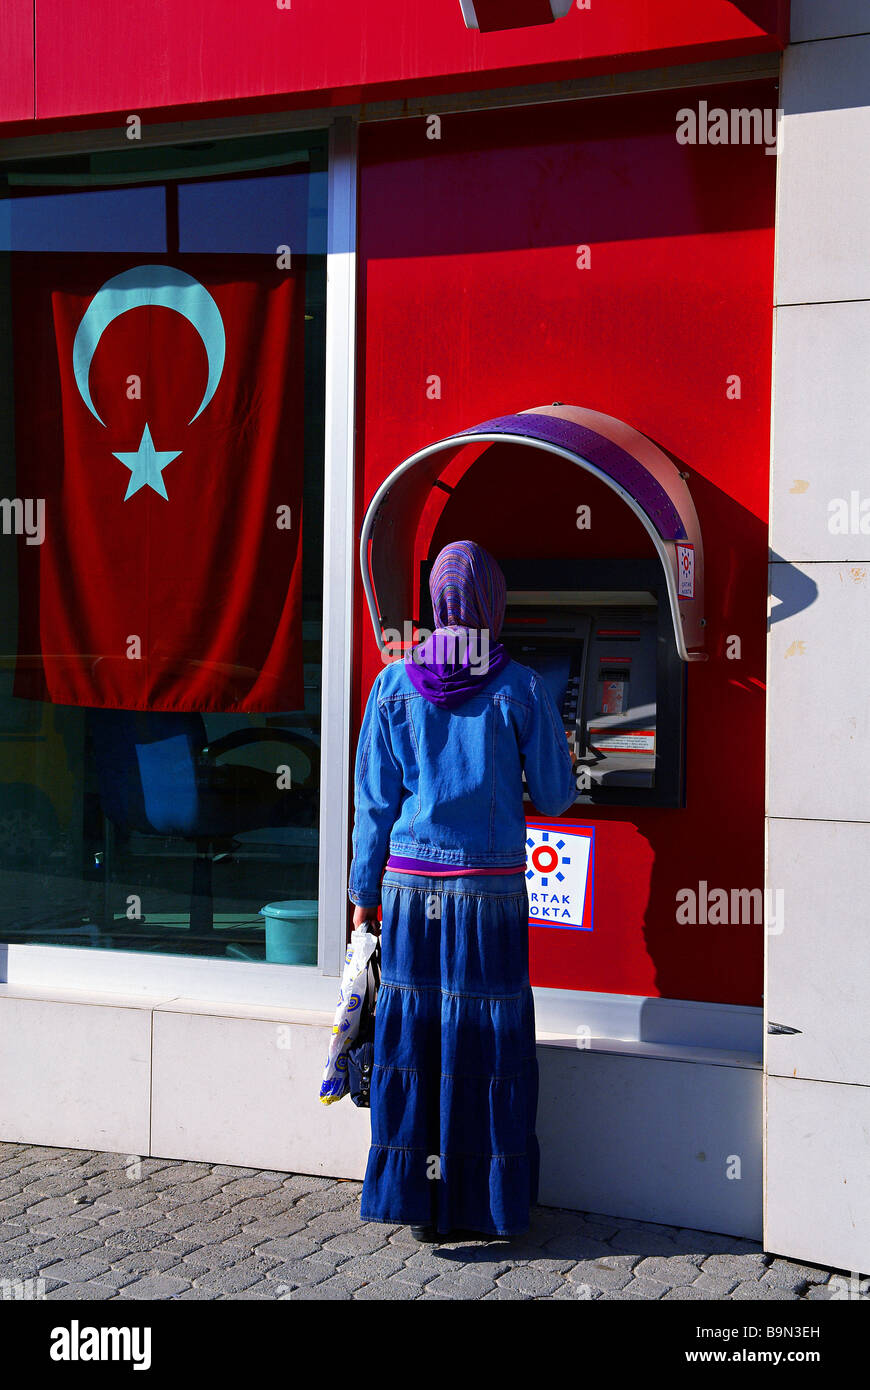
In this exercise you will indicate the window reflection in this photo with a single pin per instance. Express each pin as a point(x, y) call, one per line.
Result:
point(150, 829)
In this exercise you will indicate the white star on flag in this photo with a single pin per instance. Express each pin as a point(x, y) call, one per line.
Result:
point(146, 466)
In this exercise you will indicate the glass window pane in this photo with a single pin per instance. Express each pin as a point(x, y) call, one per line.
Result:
point(126, 219)
point(161, 543)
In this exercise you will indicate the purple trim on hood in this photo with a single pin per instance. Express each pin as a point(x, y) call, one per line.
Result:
point(613, 460)
point(450, 683)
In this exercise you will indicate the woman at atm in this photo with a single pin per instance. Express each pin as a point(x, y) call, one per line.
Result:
point(439, 843)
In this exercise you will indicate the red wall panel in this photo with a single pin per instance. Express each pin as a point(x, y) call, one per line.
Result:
point(468, 272)
point(16, 68)
point(99, 56)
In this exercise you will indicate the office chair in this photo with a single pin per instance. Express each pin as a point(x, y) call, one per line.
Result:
point(158, 774)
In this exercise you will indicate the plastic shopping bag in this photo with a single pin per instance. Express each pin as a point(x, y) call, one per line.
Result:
point(345, 1026)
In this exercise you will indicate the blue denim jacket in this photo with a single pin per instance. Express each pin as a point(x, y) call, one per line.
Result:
point(446, 785)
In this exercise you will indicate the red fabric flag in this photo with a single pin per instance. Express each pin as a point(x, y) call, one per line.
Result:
point(159, 414)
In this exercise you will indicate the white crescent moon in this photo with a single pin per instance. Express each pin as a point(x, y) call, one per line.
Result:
point(150, 284)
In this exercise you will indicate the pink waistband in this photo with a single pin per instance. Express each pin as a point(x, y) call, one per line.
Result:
point(442, 871)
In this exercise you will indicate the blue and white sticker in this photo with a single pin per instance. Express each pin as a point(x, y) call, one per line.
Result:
point(685, 570)
point(559, 875)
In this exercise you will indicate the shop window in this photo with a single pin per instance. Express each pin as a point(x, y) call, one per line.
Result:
point(162, 323)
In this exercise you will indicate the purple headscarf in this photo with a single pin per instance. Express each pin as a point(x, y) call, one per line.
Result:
point(468, 601)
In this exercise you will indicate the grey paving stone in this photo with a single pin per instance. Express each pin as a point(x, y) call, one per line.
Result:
point(718, 1288)
point(233, 1277)
point(74, 1292)
point(328, 1199)
point(422, 1266)
point(722, 1245)
point(40, 1209)
point(150, 1214)
point(275, 1205)
point(753, 1289)
point(229, 1171)
point(211, 1186)
point(118, 1247)
point(36, 1153)
point(13, 1248)
point(461, 1285)
point(275, 1228)
point(287, 1248)
point(739, 1267)
point(392, 1290)
point(294, 1223)
point(483, 1258)
point(102, 1204)
point(294, 1273)
point(519, 1252)
point(596, 1279)
point(606, 1273)
point(129, 1196)
point(212, 1259)
point(57, 1227)
point(649, 1289)
point(535, 1283)
point(637, 1241)
point(686, 1292)
point(25, 1266)
point(263, 1290)
point(186, 1172)
point(80, 1270)
point(577, 1293)
point(304, 1184)
point(153, 1286)
point(148, 1262)
point(670, 1269)
point(335, 1288)
point(194, 1213)
point(598, 1230)
point(577, 1247)
point(237, 1189)
point(30, 1236)
point(379, 1265)
point(12, 1209)
point(52, 1185)
point(360, 1241)
point(210, 1232)
point(789, 1274)
point(68, 1248)
point(690, 1244)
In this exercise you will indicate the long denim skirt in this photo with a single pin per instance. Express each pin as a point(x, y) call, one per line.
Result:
point(455, 1085)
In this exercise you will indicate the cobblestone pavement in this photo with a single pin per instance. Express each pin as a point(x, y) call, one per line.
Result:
point(81, 1225)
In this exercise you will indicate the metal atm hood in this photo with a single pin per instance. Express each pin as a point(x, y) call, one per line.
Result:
point(629, 463)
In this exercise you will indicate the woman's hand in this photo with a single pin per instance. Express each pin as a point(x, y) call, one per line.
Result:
point(369, 915)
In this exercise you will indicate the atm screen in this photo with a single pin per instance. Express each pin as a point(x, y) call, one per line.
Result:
point(553, 665)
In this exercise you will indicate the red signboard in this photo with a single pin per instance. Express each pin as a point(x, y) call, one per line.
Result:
point(96, 56)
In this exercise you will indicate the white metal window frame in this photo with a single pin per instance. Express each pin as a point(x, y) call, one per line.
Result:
point(682, 1023)
point(106, 971)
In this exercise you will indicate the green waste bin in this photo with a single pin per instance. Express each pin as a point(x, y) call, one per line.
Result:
point(291, 931)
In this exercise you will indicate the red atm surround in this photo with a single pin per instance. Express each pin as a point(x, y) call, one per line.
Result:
point(468, 273)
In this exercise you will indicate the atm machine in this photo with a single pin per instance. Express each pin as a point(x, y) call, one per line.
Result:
point(611, 637)
point(599, 635)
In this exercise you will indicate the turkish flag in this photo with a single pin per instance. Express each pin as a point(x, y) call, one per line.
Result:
point(160, 417)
